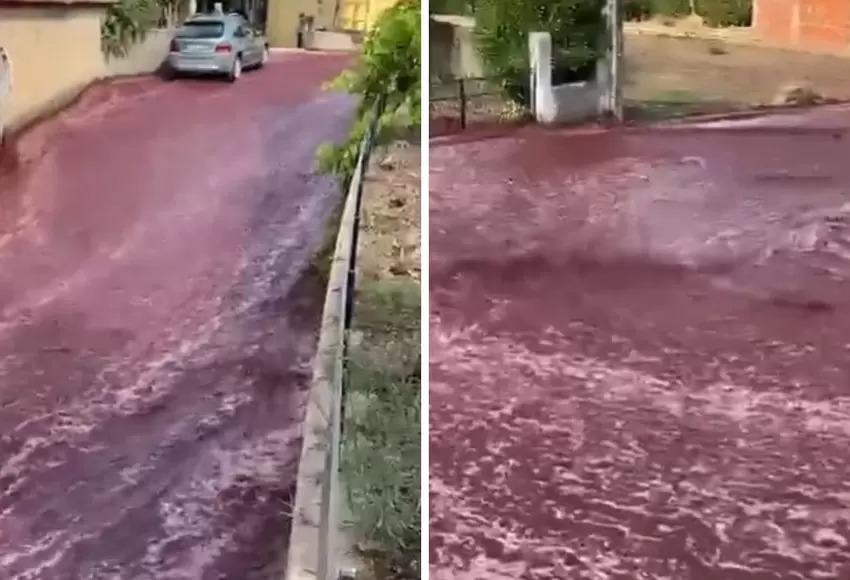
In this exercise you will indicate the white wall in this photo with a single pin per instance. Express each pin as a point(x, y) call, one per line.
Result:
point(569, 103)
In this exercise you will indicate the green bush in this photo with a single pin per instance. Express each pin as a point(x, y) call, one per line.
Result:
point(637, 9)
point(714, 12)
point(450, 7)
point(502, 26)
point(671, 7)
point(128, 22)
point(726, 12)
point(389, 65)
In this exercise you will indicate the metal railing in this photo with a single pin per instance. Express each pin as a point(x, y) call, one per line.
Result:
point(462, 92)
point(313, 550)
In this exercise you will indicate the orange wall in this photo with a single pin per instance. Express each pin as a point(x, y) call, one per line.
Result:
point(811, 24)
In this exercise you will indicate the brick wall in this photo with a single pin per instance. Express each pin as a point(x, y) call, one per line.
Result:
point(811, 24)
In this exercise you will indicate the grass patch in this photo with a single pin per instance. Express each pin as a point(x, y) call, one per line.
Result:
point(381, 447)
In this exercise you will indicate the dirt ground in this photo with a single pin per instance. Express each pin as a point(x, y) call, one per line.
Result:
point(391, 233)
point(713, 72)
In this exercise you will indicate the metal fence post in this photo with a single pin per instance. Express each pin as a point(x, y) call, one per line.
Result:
point(363, 161)
point(462, 94)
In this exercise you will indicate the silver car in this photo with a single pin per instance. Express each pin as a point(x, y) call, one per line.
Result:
point(218, 44)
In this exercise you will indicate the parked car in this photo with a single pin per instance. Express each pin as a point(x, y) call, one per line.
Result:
point(222, 44)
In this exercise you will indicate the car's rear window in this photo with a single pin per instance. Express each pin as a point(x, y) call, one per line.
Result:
point(205, 29)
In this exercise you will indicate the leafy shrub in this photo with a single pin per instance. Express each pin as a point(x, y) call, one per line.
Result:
point(726, 12)
point(637, 9)
point(128, 22)
point(714, 12)
point(450, 6)
point(502, 26)
point(671, 7)
point(389, 66)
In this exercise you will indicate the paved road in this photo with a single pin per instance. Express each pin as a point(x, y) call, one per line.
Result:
point(639, 353)
point(156, 325)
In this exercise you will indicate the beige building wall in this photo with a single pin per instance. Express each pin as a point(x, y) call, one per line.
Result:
point(282, 19)
point(361, 14)
point(55, 53)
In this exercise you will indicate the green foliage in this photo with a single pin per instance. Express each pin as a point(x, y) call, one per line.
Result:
point(388, 67)
point(381, 453)
point(637, 9)
point(462, 7)
point(670, 7)
point(502, 26)
point(714, 12)
point(726, 12)
point(128, 22)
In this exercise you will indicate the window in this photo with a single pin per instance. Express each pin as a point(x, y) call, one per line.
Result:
point(201, 29)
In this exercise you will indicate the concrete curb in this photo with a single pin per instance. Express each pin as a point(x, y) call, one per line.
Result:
point(316, 467)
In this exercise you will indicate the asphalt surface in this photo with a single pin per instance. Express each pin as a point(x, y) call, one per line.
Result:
point(157, 320)
point(639, 352)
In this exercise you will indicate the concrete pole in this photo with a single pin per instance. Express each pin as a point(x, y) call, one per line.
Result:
point(193, 7)
point(613, 99)
point(617, 59)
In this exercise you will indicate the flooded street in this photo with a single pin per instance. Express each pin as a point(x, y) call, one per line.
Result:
point(157, 321)
point(639, 352)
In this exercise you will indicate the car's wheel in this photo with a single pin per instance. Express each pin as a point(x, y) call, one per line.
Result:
point(265, 58)
point(168, 73)
point(235, 70)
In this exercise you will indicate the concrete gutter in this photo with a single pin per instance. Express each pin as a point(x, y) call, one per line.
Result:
point(318, 482)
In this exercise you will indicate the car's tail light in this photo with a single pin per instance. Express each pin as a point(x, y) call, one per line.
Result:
point(223, 47)
point(175, 46)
